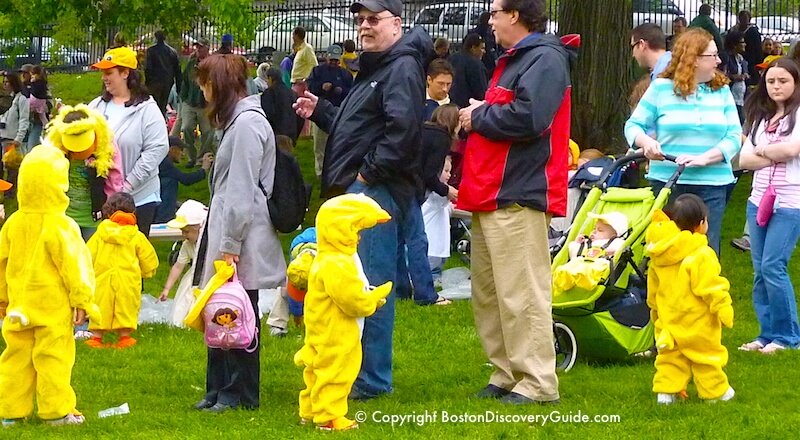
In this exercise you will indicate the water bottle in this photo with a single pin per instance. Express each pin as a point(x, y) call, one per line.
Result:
point(115, 411)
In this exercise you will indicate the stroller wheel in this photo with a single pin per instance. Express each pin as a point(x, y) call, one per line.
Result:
point(566, 347)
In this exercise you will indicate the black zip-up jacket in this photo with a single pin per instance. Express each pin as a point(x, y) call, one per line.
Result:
point(376, 131)
point(162, 66)
point(277, 102)
point(436, 142)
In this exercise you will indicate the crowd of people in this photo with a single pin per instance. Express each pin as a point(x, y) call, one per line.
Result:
point(419, 131)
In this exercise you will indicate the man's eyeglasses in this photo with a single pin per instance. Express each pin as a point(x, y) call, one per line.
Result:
point(494, 12)
point(373, 20)
point(635, 44)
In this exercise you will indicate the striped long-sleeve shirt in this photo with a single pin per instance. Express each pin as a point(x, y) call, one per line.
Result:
point(704, 120)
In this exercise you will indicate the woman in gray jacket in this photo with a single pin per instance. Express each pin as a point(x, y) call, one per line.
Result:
point(239, 229)
point(140, 131)
point(14, 123)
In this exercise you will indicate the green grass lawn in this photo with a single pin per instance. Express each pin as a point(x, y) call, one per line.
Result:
point(438, 366)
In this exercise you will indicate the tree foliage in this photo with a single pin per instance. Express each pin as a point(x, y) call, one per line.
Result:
point(72, 18)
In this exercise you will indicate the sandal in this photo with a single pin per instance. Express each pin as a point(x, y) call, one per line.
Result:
point(754, 345)
point(772, 348)
point(442, 301)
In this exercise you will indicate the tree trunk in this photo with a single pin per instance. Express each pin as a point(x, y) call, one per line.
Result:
point(602, 78)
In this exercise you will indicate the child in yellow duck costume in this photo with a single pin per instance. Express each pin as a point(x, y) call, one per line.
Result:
point(689, 303)
point(122, 256)
point(338, 296)
point(45, 276)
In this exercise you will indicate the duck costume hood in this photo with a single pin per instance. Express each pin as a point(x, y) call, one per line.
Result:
point(341, 218)
point(45, 267)
point(339, 295)
point(84, 137)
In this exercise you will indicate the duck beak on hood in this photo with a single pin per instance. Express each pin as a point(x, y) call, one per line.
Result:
point(341, 218)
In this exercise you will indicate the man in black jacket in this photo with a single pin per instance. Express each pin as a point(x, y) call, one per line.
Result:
point(171, 176)
point(162, 69)
point(374, 139)
point(331, 82)
point(469, 73)
point(277, 102)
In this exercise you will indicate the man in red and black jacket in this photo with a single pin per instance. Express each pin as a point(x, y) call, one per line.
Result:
point(514, 179)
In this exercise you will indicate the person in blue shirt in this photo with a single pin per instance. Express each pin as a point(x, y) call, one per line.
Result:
point(649, 48)
point(170, 176)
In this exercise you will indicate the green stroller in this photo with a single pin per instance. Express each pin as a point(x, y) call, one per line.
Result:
point(610, 320)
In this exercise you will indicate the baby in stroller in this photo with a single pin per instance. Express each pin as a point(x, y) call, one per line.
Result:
point(590, 256)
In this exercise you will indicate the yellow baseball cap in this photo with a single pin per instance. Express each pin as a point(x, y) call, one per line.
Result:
point(120, 56)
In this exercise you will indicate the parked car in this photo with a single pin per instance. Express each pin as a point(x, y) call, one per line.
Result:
point(450, 20)
point(779, 28)
point(274, 34)
point(51, 54)
point(663, 12)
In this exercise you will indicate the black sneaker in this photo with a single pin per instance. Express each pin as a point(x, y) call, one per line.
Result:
point(492, 392)
point(518, 399)
point(203, 404)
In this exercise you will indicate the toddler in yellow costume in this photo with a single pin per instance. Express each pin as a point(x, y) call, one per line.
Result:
point(122, 256)
point(338, 296)
point(45, 277)
point(689, 303)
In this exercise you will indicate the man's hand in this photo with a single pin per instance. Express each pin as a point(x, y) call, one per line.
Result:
point(465, 114)
point(361, 179)
point(327, 87)
point(305, 105)
point(230, 258)
point(207, 161)
point(79, 317)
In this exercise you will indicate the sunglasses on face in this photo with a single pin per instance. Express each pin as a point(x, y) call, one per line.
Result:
point(372, 20)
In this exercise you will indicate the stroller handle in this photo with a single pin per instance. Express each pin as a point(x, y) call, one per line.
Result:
point(622, 161)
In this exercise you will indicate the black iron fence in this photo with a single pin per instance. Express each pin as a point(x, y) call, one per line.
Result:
point(330, 22)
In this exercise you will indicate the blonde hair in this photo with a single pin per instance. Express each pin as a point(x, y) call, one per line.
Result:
point(681, 69)
point(638, 91)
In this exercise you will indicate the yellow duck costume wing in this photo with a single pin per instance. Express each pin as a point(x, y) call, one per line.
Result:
point(122, 256)
point(689, 301)
point(338, 293)
point(45, 272)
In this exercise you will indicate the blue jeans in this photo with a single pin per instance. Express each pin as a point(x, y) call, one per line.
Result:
point(771, 248)
point(413, 244)
point(378, 252)
point(715, 198)
point(34, 138)
point(437, 264)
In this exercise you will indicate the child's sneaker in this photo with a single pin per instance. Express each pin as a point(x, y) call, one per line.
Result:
point(666, 399)
point(69, 419)
point(725, 397)
point(125, 342)
point(340, 424)
point(277, 332)
point(94, 342)
point(8, 423)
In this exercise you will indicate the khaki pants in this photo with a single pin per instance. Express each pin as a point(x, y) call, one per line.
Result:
point(320, 139)
point(512, 299)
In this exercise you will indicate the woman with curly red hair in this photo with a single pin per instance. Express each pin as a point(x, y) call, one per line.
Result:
point(691, 112)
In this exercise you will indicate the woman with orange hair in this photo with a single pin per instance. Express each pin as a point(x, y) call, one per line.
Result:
point(693, 115)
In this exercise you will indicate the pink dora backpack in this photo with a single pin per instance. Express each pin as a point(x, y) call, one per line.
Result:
point(229, 318)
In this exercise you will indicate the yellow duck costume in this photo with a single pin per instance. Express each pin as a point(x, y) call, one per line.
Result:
point(122, 256)
point(338, 294)
point(689, 303)
point(45, 273)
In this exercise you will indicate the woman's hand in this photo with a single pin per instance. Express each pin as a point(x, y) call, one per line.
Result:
point(652, 148)
point(230, 258)
point(305, 105)
point(164, 295)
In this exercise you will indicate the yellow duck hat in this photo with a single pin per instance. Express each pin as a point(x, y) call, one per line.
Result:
point(80, 135)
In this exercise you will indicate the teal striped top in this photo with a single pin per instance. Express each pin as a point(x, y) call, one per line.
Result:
point(704, 120)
